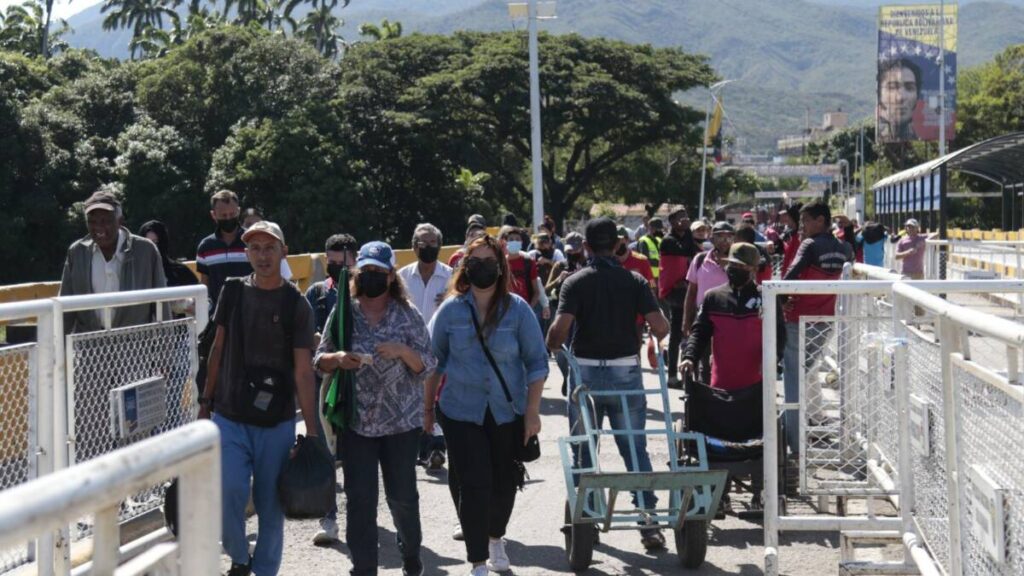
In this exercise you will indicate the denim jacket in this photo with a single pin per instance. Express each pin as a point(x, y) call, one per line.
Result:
point(471, 387)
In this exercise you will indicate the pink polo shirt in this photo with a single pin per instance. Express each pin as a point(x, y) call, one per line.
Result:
point(706, 276)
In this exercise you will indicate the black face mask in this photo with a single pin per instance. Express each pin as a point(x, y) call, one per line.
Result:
point(227, 225)
point(622, 250)
point(549, 254)
point(428, 254)
point(482, 273)
point(659, 233)
point(334, 271)
point(738, 277)
point(373, 284)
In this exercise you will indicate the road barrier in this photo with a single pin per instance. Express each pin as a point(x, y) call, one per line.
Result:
point(66, 399)
point(97, 488)
point(899, 372)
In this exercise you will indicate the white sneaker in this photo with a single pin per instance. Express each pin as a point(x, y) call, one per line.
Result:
point(498, 561)
point(457, 532)
point(328, 532)
point(480, 570)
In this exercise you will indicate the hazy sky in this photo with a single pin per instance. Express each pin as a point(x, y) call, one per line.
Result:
point(61, 8)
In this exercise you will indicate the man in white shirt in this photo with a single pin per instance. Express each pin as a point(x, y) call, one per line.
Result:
point(426, 280)
point(110, 259)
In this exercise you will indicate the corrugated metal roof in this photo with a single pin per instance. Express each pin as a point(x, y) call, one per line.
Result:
point(999, 159)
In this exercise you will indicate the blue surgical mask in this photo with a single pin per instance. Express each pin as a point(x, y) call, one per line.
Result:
point(514, 246)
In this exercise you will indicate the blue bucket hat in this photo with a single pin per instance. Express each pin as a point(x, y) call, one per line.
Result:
point(376, 254)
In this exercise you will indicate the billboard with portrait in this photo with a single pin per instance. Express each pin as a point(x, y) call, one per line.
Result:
point(910, 73)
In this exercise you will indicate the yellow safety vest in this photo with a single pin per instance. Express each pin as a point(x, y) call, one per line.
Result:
point(653, 253)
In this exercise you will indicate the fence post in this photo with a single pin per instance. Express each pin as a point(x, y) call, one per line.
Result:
point(45, 415)
point(949, 344)
point(902, 309)
point(62, 536)
point(771, 423)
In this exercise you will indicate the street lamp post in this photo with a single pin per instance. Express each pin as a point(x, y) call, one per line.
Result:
point(942, 78)
point(704, 143)
point(535, 150)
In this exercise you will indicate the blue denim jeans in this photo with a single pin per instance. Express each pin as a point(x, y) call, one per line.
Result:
point(256, 453)
point(395, 457)
point(611, 378)
point(817, 335)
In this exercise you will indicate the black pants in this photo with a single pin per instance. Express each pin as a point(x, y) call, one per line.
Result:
point(396, 457)
point(675, 341)
point(481, 457)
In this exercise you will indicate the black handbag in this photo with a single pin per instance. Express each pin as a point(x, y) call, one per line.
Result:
point(520, 452)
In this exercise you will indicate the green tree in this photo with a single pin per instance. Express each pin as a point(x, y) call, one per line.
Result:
point(230, 74)
point(161, 174)
point(656, 175)
point(296, 170)
point(25, 28)
point(602, 101)
point(990, 98)
point(137, 15)
point(384, 31)
point(319, 27)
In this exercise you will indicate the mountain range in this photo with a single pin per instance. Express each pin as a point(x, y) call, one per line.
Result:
point(794, 59)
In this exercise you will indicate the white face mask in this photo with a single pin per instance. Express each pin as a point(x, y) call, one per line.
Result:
point(514, 246)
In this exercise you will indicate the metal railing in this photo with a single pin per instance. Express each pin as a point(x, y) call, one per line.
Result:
point(190, 453)
point(26, 420)
point(857, 369)
point(55, 406)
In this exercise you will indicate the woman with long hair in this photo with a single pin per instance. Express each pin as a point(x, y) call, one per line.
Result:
point(390, 357)
point(481, 403)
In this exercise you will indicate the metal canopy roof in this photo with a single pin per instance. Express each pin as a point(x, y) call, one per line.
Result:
point(999, 160)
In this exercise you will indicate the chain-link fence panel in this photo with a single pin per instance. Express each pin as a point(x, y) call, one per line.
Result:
point(99, 363)
point(927, 438)
point(992, 470)
point(18, 388)
point(847, 399)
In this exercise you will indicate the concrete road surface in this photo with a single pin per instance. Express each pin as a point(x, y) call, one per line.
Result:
point(535, 543)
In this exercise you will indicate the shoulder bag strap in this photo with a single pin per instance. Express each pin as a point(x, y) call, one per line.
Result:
point(487, 352)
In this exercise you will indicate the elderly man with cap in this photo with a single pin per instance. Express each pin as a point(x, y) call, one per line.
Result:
point(677, 251)
point(604, 300)
point(260, 361)
point(110, 259)
point(910, 251)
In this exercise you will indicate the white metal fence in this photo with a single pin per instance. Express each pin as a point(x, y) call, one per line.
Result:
point(56, 398)
point(97, 487)
point(879, 381)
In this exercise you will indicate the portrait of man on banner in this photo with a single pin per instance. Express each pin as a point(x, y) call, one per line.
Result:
point(910, 73)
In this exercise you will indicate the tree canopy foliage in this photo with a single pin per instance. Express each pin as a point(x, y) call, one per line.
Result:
point(402, 130)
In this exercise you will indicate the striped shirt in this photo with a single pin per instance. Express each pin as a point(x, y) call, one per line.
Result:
point(219, 261)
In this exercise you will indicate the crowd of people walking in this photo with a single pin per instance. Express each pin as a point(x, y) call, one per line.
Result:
point(441, 364)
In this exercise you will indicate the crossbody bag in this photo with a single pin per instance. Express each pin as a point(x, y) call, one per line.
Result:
point(520, 452)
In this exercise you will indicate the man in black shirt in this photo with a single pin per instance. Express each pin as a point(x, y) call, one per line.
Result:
point(604, 301)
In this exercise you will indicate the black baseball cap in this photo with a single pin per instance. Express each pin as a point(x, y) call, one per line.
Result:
point(602, 233)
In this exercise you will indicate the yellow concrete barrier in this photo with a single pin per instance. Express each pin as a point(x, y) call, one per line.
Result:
point(303, 266)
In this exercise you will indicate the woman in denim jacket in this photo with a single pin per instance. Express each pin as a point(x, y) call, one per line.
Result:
point(477, 418)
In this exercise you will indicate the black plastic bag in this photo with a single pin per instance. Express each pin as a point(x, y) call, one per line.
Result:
point(306, 484)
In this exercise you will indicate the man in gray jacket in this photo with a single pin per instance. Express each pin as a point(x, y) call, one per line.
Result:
point(110, 259)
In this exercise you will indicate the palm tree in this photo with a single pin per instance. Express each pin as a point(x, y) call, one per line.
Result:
point(320, 26)
point(246, 10)
point(385, 31)
point(274, 17)
point(137, 15)
point(153, 42)
point(23, 29)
